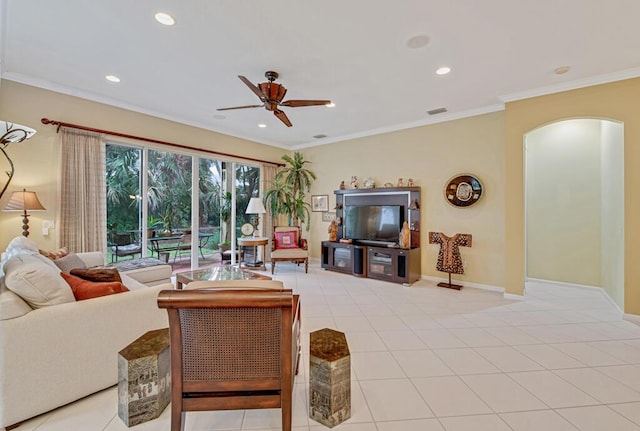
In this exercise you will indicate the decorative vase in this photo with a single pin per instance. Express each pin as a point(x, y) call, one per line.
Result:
point(405, 235)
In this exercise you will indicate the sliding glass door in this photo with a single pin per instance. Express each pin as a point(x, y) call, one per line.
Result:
point(124, 198)
point(151, 202)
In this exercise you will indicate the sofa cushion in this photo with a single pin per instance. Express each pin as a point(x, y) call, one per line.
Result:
point(69, 262)
point(97, 274)
point(147, 270)
point(11, 305)
point(85, 289)
point(35, 281)
point(131, 283)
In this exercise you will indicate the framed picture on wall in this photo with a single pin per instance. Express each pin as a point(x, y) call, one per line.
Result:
point(320, 203)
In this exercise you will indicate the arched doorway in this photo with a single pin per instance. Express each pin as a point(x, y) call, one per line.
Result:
point(574, 204)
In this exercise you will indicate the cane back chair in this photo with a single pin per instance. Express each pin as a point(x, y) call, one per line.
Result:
point(230, 349)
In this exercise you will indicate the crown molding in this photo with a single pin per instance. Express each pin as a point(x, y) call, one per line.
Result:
point(572, 85)
point(70, 91)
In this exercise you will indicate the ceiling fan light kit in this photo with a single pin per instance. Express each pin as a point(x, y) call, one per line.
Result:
point(271, 94)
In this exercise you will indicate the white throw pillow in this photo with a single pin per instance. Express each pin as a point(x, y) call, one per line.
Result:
point(69, 262)
point(39, 284)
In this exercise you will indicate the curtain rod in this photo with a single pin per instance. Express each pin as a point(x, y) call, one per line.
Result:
point(155, 141)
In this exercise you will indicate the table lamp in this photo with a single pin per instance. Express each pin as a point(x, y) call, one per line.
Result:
point(255, 207)
point(23, 201)
point(10, 133)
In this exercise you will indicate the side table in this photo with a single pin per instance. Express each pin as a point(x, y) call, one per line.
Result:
point(329, 377)
point(144, 378)
point(254, 242)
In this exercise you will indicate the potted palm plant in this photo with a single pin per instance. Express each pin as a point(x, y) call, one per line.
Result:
point(287, 193)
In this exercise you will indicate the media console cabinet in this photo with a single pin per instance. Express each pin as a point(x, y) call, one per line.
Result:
point(392, 264)
point(397, 265)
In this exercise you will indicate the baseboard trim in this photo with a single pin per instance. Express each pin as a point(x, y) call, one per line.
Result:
point(514, 297)
point(464, 283)
point(632, 318)
point(561, 283)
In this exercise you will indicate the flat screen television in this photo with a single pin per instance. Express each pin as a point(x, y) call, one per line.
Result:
point(379, 223)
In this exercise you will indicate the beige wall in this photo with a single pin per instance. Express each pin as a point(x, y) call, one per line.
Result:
point(36, 160)
point(490, 146)
point(617, 101)
point(431, 155)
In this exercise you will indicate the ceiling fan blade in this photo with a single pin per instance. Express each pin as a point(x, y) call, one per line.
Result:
point(298, 103)
point(282, 117)
point(253, 88)
point(240, 107)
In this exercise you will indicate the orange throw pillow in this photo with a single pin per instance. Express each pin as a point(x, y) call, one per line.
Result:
point(84, 289)
point(286, 239)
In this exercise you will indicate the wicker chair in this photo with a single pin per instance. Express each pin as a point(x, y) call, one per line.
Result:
point(289, 246)
point(231, 349)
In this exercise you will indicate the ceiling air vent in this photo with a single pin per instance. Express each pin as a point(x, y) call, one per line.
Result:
point(320, 136)
point(437, 111)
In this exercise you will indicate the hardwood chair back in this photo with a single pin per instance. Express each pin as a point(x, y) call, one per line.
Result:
point(230, 349)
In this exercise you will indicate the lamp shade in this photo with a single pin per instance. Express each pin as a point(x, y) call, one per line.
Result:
point(24, 201)
point(255, 206)
point(11, 132)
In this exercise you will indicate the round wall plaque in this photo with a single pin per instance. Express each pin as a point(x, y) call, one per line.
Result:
point(463, 190)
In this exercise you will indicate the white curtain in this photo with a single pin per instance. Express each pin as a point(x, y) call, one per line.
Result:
point(268, 177)
point(82, 197)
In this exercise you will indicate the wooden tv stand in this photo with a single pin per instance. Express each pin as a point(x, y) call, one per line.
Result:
point(363, 260)
point(396, 265)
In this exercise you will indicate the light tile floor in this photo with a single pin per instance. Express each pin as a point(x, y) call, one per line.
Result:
point(427, 358)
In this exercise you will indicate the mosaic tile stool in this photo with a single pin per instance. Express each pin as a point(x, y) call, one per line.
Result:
point(329, 378)
point(144, 378)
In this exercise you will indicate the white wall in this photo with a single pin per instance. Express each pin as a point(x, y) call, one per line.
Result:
point(563, 202)
point(612, 215)
point(575, 204)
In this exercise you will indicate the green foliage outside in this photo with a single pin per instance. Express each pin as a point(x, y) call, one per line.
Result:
point(169, 191)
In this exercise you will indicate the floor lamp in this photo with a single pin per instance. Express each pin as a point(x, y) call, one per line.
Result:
point(24, 201)
point(10, 133)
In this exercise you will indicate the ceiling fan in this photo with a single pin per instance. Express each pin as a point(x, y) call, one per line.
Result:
point(271, 95)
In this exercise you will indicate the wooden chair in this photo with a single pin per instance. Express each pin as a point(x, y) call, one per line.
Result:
point(230, 349)
point(289, 246)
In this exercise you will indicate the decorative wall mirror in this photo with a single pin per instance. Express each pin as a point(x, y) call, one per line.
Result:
point(463, 190)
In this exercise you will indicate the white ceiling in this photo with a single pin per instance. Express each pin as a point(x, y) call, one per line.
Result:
point(353, 52)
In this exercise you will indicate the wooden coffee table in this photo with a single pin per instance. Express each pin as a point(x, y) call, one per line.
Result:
point(216, 273)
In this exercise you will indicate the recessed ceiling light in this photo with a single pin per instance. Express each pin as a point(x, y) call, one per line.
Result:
point(330, 105)
point(443, 70)
point(418, 41)
point(262, 125)
point(165, 18)
point(112, 78)
point(562, 70)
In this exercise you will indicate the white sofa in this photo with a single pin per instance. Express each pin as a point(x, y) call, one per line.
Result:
point(53, 355)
